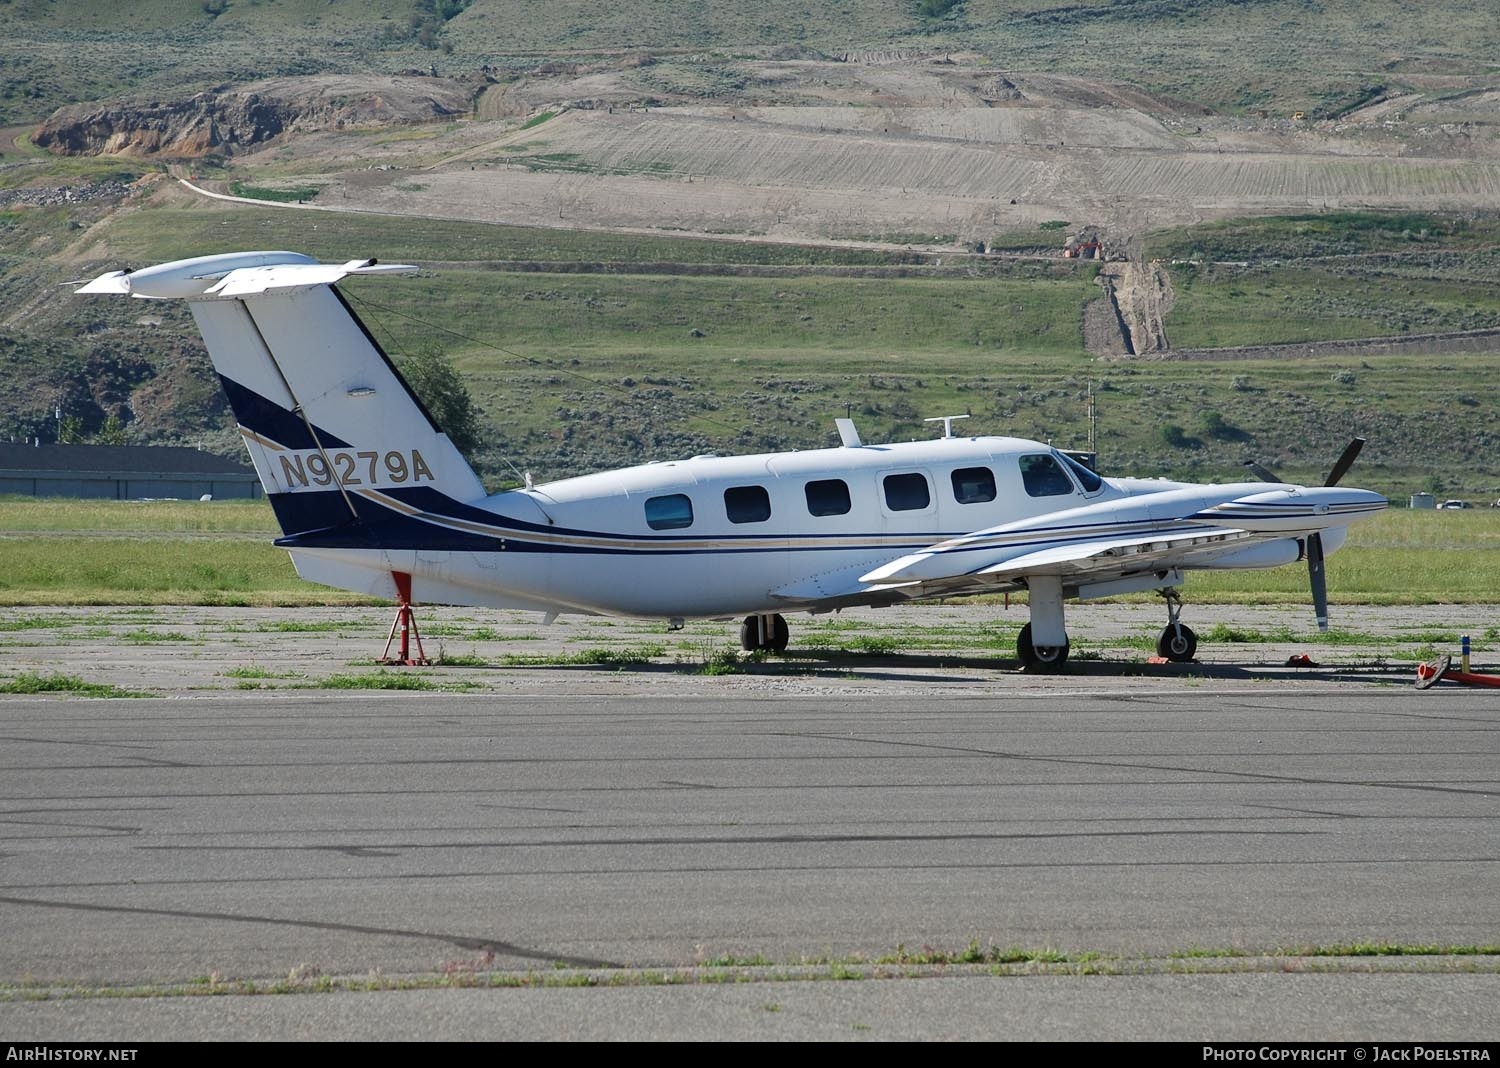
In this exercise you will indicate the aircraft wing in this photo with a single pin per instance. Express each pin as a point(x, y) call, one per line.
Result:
point(1098, 559)
point(947, 570)
point(1094, 545)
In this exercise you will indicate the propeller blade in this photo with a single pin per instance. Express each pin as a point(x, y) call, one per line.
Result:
point(1341, 468)
point(1319, 578)
point(1261, 473)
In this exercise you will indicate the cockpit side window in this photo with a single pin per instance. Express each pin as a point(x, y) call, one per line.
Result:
point(671, 512)
point(1043, 476)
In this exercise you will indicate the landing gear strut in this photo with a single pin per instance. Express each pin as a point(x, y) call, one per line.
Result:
point(1177, 643)
point(764, 633)
point(1043, 644)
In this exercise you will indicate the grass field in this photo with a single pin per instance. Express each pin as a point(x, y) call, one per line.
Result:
point(1342, 233)
point(1330, 276)
point(220, 553)
point(169, 232)
point(1267, 306)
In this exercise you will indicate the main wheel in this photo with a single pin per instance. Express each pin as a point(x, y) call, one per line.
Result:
point(1177, 643)
point(1047, 658)
point(778, 634)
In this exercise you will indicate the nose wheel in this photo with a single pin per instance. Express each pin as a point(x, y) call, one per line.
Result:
point(1177, 642)
point(764, 633)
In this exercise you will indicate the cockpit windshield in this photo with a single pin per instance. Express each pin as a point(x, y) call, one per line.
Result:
point(1090, 482)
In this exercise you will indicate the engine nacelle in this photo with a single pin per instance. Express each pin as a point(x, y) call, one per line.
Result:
point(1294, 508)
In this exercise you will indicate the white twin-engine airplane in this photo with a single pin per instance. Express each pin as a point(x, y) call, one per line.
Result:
point(371, 496)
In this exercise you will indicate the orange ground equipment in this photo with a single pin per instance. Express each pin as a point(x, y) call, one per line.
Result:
point(1432, 672)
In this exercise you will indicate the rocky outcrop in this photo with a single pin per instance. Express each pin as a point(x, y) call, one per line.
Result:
point(47, 196)
point(231, 118)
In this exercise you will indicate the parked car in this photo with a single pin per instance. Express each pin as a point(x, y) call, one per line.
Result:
point(1454, 504)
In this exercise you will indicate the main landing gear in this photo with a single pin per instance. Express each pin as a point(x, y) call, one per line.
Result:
point(1177, 643)
point(764, 633)
point(1043, 643)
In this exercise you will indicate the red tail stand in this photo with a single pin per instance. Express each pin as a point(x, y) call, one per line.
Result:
point(406, 621)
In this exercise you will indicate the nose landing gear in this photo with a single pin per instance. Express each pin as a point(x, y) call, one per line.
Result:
point(1177, 642)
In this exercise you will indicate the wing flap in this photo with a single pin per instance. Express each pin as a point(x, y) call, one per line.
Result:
point(1116, 555)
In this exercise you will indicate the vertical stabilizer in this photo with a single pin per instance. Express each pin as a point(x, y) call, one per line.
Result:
point(333, 430)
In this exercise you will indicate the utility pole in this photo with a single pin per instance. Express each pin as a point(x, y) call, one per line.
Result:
point(1093, 419)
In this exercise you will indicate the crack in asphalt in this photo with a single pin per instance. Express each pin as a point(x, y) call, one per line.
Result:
point(478, 945)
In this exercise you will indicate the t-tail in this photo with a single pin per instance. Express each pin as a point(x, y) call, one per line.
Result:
point(342, 446)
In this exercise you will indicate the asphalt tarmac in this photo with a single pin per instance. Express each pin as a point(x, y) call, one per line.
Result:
point(203, 839)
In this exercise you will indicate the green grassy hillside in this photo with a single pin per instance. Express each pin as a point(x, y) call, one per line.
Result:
point(1278, 55)
point(615, 362)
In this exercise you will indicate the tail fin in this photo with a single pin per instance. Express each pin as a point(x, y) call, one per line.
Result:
point(332, 428)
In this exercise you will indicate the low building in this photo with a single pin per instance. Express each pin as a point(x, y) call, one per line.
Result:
point(122, 472)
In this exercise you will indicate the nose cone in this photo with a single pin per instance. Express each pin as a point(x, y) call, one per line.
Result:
point(1368, 501)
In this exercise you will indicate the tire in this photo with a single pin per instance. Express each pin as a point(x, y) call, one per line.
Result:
point(1178, 644)
point(776, 641)
point(781, 634)
point(1047, 658)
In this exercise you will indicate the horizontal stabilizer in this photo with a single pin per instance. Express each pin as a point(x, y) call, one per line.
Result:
point(188, 278)
point(113, 282)
point(250, 281)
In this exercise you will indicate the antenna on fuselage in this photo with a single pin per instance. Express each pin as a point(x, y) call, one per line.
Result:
point(848, 435)
point(947, 421)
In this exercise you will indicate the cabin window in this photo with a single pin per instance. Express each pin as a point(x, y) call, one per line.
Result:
point(747, 504)
point(828, 496)
point(907, 493)
point(1043, 476)
point(669, 513)
point(973, 485)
